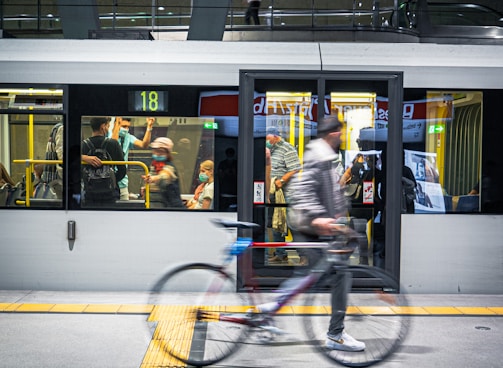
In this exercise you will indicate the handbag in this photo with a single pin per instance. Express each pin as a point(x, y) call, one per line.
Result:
point(352, 190)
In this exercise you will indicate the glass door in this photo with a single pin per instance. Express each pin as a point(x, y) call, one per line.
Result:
point(285, 109)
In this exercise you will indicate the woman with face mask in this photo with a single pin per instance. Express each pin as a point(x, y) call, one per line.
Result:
point(203, 195)
point(163, 176)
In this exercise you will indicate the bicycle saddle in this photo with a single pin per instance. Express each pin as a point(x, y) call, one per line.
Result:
point(235, 224)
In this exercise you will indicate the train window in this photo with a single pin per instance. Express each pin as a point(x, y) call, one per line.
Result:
point(443, 149)
point(32, 147)
point(442, 141)
point(169, 161)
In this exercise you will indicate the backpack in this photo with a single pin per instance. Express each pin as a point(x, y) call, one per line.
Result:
point(99, 182)
point(50, 171)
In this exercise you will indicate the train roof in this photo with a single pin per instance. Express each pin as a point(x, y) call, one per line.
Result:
point(216, 63)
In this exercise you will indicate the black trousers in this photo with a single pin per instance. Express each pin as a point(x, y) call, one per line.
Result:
point(252, 12)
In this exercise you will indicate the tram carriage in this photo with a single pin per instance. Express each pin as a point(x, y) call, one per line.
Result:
point(212, 96)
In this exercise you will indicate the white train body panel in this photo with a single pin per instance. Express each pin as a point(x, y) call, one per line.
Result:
point(128, 250)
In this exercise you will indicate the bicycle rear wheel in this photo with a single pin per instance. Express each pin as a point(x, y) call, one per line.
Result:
point(378, 317)
point(189, 303)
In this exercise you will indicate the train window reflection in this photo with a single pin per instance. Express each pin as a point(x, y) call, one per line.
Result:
point(31, 99)
point(442, 140)
point(165, 156)
point(447, 165)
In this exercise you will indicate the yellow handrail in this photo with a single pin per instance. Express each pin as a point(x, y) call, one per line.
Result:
point(29, 169)
point(31, 162)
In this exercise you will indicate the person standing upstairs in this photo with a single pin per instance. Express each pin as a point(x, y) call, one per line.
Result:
point(252, 12)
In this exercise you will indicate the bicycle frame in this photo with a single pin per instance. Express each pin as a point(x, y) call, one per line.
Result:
point(202, 319)
point(304, 283)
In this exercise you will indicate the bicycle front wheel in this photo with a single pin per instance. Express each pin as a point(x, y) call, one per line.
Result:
point(187, 319)
point(378, 316)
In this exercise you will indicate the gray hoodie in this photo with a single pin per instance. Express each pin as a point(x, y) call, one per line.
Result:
point(315, 191)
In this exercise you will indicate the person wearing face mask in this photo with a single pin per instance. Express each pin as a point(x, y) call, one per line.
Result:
point(163, 176)
point(203, 195)
point(285, 163)
point(120, 132)
point(98, 139)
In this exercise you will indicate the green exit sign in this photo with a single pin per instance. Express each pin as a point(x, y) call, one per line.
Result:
point(437, 128)
point(210, 125)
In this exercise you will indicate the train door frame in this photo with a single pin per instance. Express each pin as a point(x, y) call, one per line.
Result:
point(246, 146)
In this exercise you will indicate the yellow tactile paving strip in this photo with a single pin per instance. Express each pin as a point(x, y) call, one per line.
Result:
point(76, 308)
point(157, 314)
point(167, 319)
point(287, 310)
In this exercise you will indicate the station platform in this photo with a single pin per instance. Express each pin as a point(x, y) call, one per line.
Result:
point(109, 329)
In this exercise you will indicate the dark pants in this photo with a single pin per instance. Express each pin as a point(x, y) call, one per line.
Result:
point(378, 253)
point(378, 245)
point(276, 235)
point(252, 12)
point(340, 283)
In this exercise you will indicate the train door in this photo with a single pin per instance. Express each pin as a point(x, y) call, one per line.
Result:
point(279, 114)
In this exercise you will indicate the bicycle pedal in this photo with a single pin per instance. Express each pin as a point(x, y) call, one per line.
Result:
point(272, 329)
point(263, 338)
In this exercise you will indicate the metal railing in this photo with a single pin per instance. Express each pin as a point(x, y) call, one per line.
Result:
point(376, 14)
point(30, 163)
point(428, 21)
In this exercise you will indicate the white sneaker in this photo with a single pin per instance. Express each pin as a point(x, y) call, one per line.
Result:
point(267, 307)
point(345, 342)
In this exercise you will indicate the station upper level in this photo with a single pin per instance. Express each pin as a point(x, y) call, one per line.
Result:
point(410, 21)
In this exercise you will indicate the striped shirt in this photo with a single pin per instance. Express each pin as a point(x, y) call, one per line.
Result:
point(284, 158)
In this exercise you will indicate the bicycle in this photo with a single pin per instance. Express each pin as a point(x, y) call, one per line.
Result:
point(199, 318)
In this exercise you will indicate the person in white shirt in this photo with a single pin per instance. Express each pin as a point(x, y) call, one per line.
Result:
point(203, 196)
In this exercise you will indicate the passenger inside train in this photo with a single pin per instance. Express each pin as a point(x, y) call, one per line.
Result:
point(4, 176)
point(163, 176)
point(119, 130)
point(99, 180)
point(203, 196)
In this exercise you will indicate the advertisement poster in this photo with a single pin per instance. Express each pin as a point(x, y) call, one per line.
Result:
point(429, 194)
point(368, 192)
point(258, 192)
point(224, 107)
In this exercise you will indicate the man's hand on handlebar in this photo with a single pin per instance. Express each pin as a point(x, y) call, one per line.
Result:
point(327, 226)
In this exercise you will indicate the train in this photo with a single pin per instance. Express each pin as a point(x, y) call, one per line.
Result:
point(433, 103)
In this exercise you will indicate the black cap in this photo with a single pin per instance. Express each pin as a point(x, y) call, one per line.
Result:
point(329, 124)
